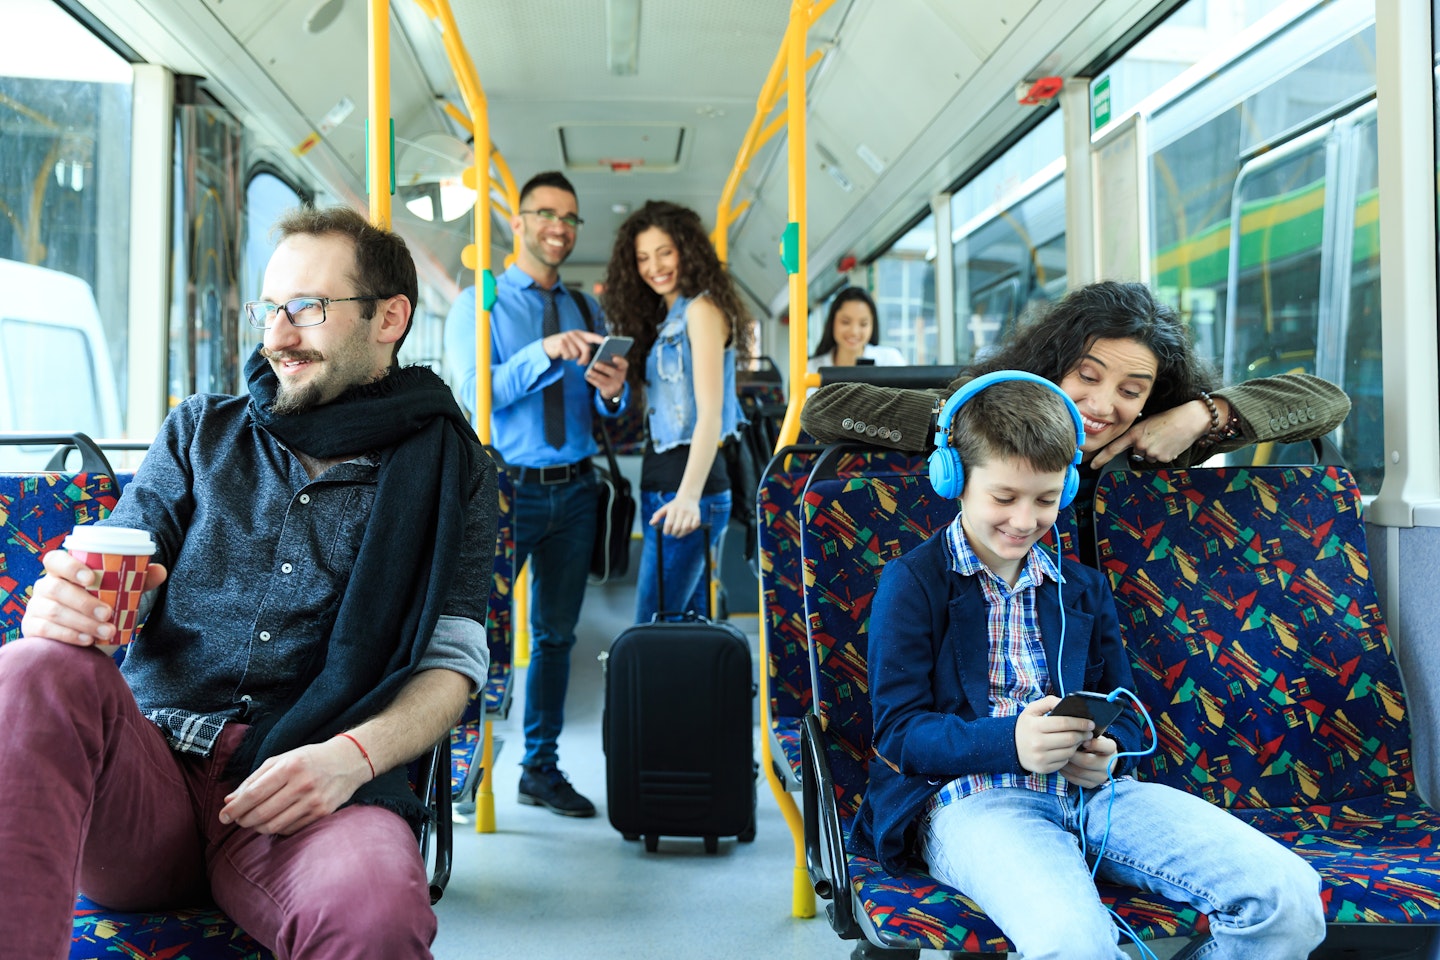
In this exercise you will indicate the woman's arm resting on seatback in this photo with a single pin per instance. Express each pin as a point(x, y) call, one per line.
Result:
point(903, 414)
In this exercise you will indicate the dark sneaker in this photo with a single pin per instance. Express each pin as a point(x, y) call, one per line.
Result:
point(547, 787)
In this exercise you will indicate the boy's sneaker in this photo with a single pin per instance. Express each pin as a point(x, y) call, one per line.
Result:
point(547, 787)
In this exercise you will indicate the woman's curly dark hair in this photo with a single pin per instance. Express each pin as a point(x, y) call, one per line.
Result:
point(1053, 342)
point(632, 309)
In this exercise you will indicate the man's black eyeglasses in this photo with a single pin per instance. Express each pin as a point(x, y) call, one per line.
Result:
point(550, 216)
point(301, 312)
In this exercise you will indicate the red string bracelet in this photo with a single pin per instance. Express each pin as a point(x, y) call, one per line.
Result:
point(362, 752)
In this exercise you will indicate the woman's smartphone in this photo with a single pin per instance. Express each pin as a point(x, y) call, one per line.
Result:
point(1090, 706)
point(609, 349)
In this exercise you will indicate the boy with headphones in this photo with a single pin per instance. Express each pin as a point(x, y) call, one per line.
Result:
point(972, 636)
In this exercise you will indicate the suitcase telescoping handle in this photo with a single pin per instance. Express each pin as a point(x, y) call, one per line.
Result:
point(660, 611)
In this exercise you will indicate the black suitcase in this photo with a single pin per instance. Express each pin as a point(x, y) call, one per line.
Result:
point(678, 734)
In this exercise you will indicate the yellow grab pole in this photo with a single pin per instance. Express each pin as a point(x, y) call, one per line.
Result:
point(479, 261)
point(381, 141)
point(795, 155)
point(802, 894)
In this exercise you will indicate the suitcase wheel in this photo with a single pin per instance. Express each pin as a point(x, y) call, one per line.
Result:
point(652, 842)
point(712, 844)
point(748, 834)
point(631, 836)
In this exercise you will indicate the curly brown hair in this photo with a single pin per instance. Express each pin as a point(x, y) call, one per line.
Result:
point(634, 310)
point(1052, 343)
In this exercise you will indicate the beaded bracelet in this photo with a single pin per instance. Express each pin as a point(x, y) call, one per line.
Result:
point(1216, 433)
point(1214, 415)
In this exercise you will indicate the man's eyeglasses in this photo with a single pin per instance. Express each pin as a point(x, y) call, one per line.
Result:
point(550, 216)
point(301, 312)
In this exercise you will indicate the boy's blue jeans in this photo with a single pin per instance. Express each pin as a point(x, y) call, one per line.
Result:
point(1016, 853)
point(685, 583)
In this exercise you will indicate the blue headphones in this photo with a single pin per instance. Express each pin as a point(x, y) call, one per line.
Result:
point(947, 474)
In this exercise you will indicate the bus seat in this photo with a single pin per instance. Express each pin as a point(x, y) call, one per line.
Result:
point(37, 512)
point(783, 603)
point(761, 388)
point(472, 742)
point(782, 573)
point(851, 528)
point(206, 933)
point(627, 430)
point(1259, 646)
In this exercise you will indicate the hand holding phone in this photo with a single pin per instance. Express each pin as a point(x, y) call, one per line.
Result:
point(1090, 706)
point(609, 349)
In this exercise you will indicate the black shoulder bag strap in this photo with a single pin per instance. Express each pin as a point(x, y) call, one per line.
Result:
point(583, 306)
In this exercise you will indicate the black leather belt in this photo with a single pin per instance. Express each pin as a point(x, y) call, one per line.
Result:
point(563, 473)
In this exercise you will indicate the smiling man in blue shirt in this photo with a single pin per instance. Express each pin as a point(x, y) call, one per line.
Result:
point(542, 404)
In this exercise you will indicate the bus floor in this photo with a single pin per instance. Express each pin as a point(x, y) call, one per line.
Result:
point(546, 887)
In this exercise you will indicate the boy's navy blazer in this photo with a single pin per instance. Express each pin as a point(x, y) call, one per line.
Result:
point(930, 689)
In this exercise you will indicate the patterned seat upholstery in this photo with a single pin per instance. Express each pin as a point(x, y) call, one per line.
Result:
point(778, 499)
point(851, 528)
point(37, 512)
point(194, 934)
point(467, 739)
point(1260, 650)
point(627, 431)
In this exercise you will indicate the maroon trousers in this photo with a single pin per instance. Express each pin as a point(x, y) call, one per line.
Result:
point(92, 798)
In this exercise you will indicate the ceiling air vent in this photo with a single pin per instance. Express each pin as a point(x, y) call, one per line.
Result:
point(622, 147)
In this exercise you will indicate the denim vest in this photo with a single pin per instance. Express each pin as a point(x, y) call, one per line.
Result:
point(670, 382)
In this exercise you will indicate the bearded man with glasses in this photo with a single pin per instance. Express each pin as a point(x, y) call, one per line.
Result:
point(316, 608)
point(542, 402)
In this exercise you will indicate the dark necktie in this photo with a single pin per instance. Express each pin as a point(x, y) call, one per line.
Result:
point(555, 392)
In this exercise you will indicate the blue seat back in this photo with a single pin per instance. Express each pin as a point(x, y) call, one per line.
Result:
point(493, 701)
point(851, 527)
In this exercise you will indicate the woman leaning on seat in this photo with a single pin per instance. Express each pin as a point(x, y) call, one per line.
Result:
point(665, 287)
point(1127, 362)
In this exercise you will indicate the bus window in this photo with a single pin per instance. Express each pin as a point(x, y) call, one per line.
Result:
point(65, 116)
point(1275, 266)
point(1362, 436)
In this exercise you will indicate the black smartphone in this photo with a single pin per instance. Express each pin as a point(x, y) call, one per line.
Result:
point(1091, 706)
point(609, 349)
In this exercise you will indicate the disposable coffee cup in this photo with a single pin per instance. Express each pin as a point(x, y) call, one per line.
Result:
point(119, 556)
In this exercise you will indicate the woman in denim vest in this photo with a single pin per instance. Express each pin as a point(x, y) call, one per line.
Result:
point(666, 288)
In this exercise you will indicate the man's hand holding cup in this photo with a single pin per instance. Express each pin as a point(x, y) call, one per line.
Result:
point(90, 594)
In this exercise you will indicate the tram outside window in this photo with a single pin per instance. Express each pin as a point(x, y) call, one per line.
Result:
point(1263, 199)
point(65, 116)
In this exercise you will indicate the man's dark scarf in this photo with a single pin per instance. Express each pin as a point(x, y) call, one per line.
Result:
point(406, 563)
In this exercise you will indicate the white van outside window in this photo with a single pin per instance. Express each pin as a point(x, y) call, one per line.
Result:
point(58, 376)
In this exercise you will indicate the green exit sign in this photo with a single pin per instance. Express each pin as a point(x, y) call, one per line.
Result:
point(1100, 103)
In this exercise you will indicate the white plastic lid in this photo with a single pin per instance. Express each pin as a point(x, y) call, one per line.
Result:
point(126, 540)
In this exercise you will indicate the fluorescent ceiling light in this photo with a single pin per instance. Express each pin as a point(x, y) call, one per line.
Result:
point(622, 33)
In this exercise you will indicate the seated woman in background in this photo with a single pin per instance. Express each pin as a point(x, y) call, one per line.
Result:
point(1127, 362)
point(665, 287)
point(852, 335)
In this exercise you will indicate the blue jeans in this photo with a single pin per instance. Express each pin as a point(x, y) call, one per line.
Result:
point(1016, 853)
point(555, 529)
point(684, 557)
